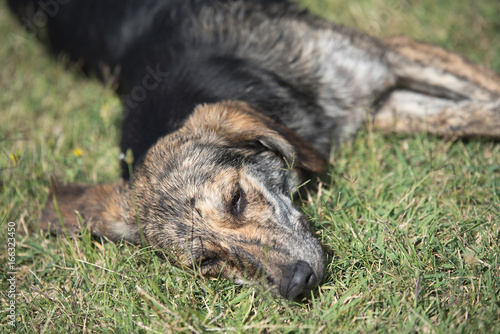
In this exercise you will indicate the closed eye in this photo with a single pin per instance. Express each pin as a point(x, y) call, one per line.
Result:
point(237, 202)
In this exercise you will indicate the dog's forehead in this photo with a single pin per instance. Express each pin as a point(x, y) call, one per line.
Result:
point(200, 156)
point(209, 172)
point(179, 157)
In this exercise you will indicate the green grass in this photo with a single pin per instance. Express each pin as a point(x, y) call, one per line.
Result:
point(411, 224)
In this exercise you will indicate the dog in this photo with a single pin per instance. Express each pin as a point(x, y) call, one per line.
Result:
point(229, 106)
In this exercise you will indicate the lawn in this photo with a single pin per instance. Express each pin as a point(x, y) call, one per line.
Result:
point(410, 224)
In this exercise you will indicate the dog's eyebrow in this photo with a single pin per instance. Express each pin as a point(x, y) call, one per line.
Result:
point(228, 158)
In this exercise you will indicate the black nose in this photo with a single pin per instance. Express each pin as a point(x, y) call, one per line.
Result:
point(299, 281)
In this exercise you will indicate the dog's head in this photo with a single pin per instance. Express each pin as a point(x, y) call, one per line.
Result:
point(214, 195)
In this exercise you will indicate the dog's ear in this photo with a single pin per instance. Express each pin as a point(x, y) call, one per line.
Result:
point(238, 122)
point(103, 208)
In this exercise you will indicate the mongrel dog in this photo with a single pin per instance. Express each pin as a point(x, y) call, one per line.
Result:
point(228, 105)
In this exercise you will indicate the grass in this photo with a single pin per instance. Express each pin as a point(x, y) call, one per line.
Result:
point(410, 224)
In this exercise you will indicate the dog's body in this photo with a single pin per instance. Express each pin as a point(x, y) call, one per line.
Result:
point(228, 104)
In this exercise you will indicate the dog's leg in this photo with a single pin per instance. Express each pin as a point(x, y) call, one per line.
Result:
point(449, 96)
point(411, 112)
point(433, 70)
point(104, 208)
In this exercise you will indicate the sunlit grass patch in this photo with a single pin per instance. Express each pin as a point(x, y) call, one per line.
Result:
point(410, 225)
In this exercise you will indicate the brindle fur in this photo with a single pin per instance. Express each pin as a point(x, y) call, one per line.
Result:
point(240, 101)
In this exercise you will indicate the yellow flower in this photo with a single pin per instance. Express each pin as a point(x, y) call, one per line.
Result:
point(105, 110)
point(109, 110)
point(78, 152)
point(14, 158)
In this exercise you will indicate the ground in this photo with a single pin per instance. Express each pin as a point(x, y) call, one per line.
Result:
point(410, 224)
